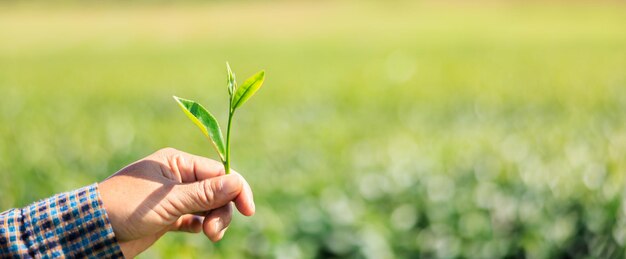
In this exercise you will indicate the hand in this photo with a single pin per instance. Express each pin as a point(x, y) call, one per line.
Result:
point(172, 191)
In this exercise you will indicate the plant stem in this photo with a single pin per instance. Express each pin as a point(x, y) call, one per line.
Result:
point(231, 112)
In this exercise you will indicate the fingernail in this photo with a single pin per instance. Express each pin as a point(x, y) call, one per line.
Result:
point(222, 233)
point(219, 229)
point(251, 201)
point(218, 225)
point(249, 198)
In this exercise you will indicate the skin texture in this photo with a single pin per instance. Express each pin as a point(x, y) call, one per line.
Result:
point(172, 191)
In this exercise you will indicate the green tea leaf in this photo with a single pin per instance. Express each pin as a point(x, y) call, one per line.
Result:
point(206, 122)
point(232, 83)
point(247, 89)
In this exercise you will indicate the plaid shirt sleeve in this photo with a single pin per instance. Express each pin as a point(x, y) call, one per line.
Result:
point(72, 224)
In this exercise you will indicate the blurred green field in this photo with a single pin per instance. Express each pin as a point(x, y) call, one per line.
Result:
point(383, 130)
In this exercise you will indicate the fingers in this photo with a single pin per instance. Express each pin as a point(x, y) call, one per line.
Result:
point(206, 195)
point(216, 222)
point(245, 200)
point(188, 223)
point(189, 168)
point(205, 187)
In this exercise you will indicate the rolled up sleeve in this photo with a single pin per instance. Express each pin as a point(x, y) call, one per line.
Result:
point(71, 224)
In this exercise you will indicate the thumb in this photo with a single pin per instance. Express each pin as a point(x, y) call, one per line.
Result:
point(206, 194)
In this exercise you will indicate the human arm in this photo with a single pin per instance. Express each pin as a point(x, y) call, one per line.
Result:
point(167, 191)
point(172, 191)
point(71, 224)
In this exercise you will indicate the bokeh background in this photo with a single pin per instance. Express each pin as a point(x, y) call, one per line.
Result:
point(385, 128)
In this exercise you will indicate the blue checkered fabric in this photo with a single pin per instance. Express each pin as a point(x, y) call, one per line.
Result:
point(72, 224)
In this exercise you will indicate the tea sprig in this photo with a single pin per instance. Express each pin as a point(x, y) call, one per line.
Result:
point(207, 122)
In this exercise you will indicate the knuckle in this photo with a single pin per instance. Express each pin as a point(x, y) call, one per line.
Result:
point(168, 150)
point(220, 169)
point(208, 190)
point(217, 184)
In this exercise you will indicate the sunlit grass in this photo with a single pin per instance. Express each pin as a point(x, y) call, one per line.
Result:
point(436, 130)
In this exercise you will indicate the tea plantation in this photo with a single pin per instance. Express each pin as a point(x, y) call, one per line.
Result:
point(383, 129)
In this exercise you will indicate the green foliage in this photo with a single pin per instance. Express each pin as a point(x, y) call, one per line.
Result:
point(206, 122)
point(231, 81)
point(209, 125)
point(390, 130)
point(247, 89)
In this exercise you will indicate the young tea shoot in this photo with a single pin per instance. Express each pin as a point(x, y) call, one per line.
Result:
point(238, 95)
